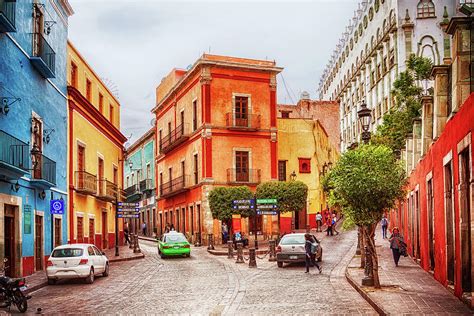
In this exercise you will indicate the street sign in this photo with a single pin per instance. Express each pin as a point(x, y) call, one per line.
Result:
point(267, 212)
point(123, 209)
point(267, 206)
point(56, 206)
point(242, 207)
point(126, 204)
point(242, 202)
point(128, 215)
point(266, 201)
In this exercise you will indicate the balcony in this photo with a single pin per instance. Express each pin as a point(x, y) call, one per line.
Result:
point(7, 15)
point(44, 175)
point(249, 176)
point(86, 183)
point(146, 185)
point(173, 139)
point(43, 57)
point(14, 157)
point(132, 193)
point(238, 121)
point(175, 186)
point(110, 192)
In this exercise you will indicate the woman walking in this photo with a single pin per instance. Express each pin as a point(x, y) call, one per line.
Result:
point(310, 247)
point(398, 245)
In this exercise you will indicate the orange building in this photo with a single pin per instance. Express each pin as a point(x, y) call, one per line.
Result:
point(215, 126)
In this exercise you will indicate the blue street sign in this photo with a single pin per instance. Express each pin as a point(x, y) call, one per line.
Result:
point(267, 212)
point(128, 205)
point(242, 202)
point(122, 209)
point(56, 206)
point(242, 207)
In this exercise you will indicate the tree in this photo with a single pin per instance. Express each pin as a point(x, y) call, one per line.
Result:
point(366, 182)
point(291, 196)
point(220, 201)
point(408, 90)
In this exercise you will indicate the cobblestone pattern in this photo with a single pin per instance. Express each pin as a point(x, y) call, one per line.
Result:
point(407, 289)
point(206, 284)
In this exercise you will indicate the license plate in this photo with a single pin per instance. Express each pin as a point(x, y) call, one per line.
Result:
point(293, 257)
point(176, 247)
point(23, 288)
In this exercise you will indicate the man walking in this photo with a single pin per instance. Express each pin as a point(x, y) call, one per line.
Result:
point(225, 233)
point(319, 221)
point(126, 232)
point(310, 247)
point(384, 223)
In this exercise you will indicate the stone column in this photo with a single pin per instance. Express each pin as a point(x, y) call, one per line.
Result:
point(416, 141)
point(427, 123)
point(407, 27)
point(440, 104)
point(409, 152)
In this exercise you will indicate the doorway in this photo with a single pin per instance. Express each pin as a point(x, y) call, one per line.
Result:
point(80, 229)
point(300, 219)
point(255, 224)
point(57, 232)
point(104, 231)
point(449, 210)
point(430, 200)
point(91, 231)
point(38, 243)
point(417, 228)
point(9, 229)
point(465, 204)
point(183, 219)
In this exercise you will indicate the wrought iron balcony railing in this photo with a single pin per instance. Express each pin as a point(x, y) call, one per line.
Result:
point(110, 192)
point(173, 139)
point(132, 190)
point(45, 170)
point(7, 15)
point(243, 175)
point(86, 182)
point(43, 57)
point(243, 121)
point(13, 151)
point(146, 185)
point(175, 186)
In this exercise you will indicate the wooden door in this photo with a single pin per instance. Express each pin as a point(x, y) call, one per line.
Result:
point(38, 143)
point(57, 232)
point(38, 23)
point(466, 220)
point(91, 231)
point(9, 230)
point(101, 176)
point(80, 230)
point(449, 209)
point(242, 166)
point(241, 111)
point(80, 165)
point(430, 201)
point(38, 242)
point(105, 243)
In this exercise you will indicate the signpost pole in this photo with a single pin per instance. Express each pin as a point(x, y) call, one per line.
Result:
point(255, 220)
point(116, 227)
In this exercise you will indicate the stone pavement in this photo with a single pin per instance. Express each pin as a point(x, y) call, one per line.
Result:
point(207, 284)
point(406, 289)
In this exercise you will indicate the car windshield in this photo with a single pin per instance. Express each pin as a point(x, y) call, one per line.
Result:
point(67, 252)
point(292, 239)
point(175, 238)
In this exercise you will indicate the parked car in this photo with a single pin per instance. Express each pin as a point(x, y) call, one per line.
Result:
point(173, 244)
point(291, 249)
point(83, 261)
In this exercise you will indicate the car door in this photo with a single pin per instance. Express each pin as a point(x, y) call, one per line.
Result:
point(93, 259)
point(101, 259)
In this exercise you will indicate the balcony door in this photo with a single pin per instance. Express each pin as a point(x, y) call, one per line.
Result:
point(101, 176)
point(37, 136)
point(38, 24)
point(81, 165)
point(242, 166)
point(241, 109)
point(466, 220)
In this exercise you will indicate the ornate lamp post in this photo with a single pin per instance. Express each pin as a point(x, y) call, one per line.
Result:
point(365, 116)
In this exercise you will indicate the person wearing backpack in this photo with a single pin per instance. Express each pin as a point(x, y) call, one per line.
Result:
point(311, 248)
point(384, 223)
point(319, 221)
point(398, 245)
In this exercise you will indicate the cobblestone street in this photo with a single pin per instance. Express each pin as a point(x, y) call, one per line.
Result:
point(205, 284)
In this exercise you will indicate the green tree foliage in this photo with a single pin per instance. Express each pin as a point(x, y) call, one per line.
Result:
point(408, 91)
point(220, 201)
point(366, 182)
point(291, 196)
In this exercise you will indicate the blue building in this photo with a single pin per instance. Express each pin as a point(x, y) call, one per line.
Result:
point(33, 131)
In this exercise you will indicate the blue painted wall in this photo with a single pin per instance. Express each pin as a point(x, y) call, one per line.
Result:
point(45, 97)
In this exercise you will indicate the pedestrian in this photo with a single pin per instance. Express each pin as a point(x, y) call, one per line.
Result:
point(144, 228)
point(319, 221)
point(172, 228)
point(329, 225)
point(398, 245)
point(225, 233)
point(167, 228)
point(126, 232)
point(333, 223)
point(311, 248)
point(384, 223)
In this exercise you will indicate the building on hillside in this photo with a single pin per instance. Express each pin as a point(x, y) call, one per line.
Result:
point(33, 132)
point(373, 50)
point(305, 153)
point(95, 153)
point(215, 126)
point(437, 216)
point(139, 175)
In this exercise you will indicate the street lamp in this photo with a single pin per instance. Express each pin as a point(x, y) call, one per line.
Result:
point(365, 116)
point(293, 176)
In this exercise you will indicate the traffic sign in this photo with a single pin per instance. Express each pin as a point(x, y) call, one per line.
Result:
point(242, 202)
point(128, 215)
point(266, 201)
point(126, 204)
point(56, 206)
point(267, 206)
point(267, 212)
point(242, 207)
point(122, 209)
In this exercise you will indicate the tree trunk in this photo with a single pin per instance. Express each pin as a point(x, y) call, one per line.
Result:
point(362, 244)
point(370, 243)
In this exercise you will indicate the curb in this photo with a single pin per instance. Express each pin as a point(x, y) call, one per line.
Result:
point(148, 238)
point(225, 253)
point(362, 293)
point(36, 287)
point(140, 256)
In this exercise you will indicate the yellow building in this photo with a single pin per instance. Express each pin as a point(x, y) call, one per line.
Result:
point(305, 152)
point(95, 152)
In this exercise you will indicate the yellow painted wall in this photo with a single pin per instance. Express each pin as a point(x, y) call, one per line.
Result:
point(306, 138)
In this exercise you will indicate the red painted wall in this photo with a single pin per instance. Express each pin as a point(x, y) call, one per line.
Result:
point(285, 225)
point(28, 265)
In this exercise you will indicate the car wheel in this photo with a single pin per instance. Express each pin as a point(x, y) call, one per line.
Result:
point(280, 264)
point(90, 278)
point(106, 271)
point(162, 255)
point(51, 281)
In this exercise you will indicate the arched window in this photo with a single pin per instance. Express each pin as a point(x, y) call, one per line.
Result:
point(425, 9)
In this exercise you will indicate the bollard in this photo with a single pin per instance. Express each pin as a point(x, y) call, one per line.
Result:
point(240, 253)
point(136, 246)
point(210, 242)
point(252, 258)
point(272, 256)
point(358, 242)
point(197, 242)
point(230, 247)
point(368, 279)
point(130, 244)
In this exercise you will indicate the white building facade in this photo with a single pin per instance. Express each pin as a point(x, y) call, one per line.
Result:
point(373, 50)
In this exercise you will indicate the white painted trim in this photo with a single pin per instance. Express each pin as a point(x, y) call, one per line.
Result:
point(463, 143)
point(39, 213)
point(448, 158)
point(100, 155)
point(429, 176)
point(79, 214)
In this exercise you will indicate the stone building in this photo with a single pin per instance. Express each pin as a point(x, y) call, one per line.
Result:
point(373, 49)
point(33, 132)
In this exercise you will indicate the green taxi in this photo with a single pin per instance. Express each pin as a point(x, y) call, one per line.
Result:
point(173, 244)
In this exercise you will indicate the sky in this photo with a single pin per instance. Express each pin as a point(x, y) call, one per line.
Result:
point(133, 44)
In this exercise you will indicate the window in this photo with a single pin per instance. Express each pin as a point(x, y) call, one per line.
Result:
point(196, 169)
point(37, 140)
point(285, 114)
point(305, 165)
point(169, 128)
point(73, 75)
point(88, 90)
point(148, 171)
point(241, 111)
point(38, 28)
point(282, 170)
point(115, 175)
point(182, 122)
point(111, 113)
point(127, 182)
point(194, 115)
point(101, 175)
point(160, 137)
point(242, 166)
point(425, 9)
point(101, 103)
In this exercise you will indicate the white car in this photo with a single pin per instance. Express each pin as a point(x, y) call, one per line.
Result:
point(83, 261)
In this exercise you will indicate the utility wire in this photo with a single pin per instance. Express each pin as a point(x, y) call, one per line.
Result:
point(286, 88)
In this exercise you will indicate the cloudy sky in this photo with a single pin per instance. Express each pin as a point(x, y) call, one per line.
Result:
point(135, 43)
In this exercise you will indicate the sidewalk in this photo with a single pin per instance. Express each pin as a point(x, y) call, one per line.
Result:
point(406, 289)
point(38, 279)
